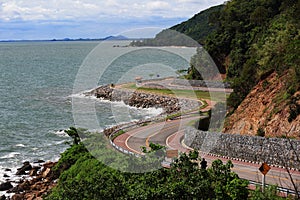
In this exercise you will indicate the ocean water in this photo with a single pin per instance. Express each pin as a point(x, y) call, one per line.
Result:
point(37, 86)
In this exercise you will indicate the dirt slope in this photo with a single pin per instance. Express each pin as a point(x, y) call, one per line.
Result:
point(265, 111)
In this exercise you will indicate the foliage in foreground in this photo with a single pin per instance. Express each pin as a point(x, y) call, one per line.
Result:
point(88, 178)
point(270, 192)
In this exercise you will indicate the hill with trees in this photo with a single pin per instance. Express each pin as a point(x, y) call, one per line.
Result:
point(249, 41)
point(197, 28)
point(253, 42)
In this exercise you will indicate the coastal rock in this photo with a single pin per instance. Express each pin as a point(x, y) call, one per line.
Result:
point(3, 197)
point(42, 182)
point(46, 172)
point(144, 100)
point(34, 171)
point(37, 186)
point(18, 197)
point(24, 186)
point(7, 170)
point(26, 167)
point(40, 161)
point(29, 196)
point(15, 190)
point(5, 176)
point(49, 165)
point(6, 186)
point(20, 172)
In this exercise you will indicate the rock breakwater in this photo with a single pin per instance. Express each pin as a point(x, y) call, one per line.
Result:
point(144, 100)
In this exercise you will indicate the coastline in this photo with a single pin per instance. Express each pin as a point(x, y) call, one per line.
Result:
point(39, 178)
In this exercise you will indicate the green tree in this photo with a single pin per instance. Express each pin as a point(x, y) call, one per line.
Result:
point(74, 134)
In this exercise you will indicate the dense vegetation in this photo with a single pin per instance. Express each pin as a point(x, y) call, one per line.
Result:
point(88, 178)
point(167, 37)
point(197, 28)
point(252, 40)
point(82, 176)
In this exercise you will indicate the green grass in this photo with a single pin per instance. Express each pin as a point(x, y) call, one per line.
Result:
point(120, 132)
point(191, 94)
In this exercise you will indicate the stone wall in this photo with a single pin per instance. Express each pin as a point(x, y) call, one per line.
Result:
point(144, 100)
point(275, 151)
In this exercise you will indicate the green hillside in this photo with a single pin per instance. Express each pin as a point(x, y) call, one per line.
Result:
point(188, 33)
point(199, 26)
point(247, 40)
point(253, 39)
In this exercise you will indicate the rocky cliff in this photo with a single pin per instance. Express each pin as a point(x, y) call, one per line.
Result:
point(266, 110)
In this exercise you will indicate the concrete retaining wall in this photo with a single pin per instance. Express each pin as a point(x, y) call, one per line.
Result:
point(275, 151)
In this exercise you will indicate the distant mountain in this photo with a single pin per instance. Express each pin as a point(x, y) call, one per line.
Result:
point(118, 37)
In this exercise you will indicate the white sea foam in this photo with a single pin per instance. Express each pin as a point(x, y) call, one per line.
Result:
point(20, 145)
point(95, 130)
point(149, 111)
point(153, 111)
point(61, 133)
point(13, 178)
point(10, 155)
point(102, 100)
point(59, 142)
point(82, 95)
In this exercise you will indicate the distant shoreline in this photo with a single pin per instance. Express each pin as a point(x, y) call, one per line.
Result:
point(109, 38)
point(53, 40)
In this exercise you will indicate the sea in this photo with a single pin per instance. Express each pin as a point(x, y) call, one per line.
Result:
point(40, 79)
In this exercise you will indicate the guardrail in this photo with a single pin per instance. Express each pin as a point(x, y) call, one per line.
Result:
point(123, 150)
point(286, 191)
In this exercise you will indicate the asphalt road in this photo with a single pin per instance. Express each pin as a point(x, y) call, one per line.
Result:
point(155, 133)
point(169, 134)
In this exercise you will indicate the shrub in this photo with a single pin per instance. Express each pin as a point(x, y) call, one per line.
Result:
point(261, 132)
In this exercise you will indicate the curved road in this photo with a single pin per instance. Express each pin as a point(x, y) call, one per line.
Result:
point(170, 133)
point(157, 133)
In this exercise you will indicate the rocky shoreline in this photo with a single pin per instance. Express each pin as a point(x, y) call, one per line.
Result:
point(38, 178)
point(144, 100)
point(35, 181)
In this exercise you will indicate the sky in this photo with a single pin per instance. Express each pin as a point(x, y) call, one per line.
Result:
point(58, 19)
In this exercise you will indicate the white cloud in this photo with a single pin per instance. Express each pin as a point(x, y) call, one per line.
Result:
point(76, 18)
point(69, 9)
point(153, 5)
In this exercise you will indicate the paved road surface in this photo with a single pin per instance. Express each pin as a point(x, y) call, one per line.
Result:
point(170, 134)
point(169, 83)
